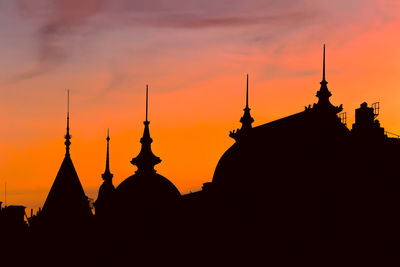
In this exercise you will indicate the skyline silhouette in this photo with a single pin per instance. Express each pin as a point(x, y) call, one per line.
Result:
point(280, 195)
point(246, 121)
point(195, 58)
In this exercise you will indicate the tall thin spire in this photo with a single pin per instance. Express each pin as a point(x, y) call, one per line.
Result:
point(107, 175)
point(323, 66)
point(247, 120)
point(147, 100)
point(247, 91)
point(146, 160)
point(67, 135)
point(324, 94)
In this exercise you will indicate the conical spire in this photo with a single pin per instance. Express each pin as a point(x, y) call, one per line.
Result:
point(107, 175)
point(67, 135)
point(146, 160)
point(323, 66)
point(247, 120)
point(323, 94)
point(66, 202)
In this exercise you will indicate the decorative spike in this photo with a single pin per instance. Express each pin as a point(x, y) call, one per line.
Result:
point(107, 175)
point(323, 66)
point(324, 94)
point(147, 99)
point(108, 152)
point(146, 160)
point(68, 102)
point(67, 111)
point(246, 120)
point(247, 91)
point(67, 135)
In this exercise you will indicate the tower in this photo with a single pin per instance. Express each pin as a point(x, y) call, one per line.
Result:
point(324, 94)
point(146, 197)
point(146, 160)
point(246, 120)
point(66, 204)
point(104, 202)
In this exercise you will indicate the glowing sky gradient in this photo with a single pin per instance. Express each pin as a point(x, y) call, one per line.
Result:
point(194, 55)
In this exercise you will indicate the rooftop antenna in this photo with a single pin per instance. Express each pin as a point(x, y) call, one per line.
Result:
point(5, 194)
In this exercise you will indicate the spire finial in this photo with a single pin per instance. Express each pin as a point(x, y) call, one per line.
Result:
point(67, 135)
point(246, 120)
point(67, 111)
point(323, 66)
point(107, 174)
point(147, 99)
point(146, 160)
point(324, 94)
point(247, 91)
point(108, 151)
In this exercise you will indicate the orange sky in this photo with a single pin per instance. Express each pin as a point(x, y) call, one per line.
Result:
point(194, 58)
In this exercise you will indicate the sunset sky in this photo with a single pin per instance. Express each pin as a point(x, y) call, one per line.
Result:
point(194, 55)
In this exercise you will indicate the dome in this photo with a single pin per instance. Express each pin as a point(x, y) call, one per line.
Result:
point(144, 189)
point(269, 156)
point(145, 199)
point(146, 195)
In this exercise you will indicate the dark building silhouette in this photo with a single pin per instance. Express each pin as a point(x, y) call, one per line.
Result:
point(12, 219)
point(145, 197)
point(66, 204)
point(246, 120)
point(105, 199)
point(306, 191)
point(303, 190)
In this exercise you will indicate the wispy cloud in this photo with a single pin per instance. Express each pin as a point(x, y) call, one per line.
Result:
point(64, 18)
point(60, 21)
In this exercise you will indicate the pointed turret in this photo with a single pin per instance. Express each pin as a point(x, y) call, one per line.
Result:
point(145, 199)
point(324, 94)
point(104, 202)
point(66, 203)
point(67, 135)
point(246, 120)
point(146, 160)
point(107, 175)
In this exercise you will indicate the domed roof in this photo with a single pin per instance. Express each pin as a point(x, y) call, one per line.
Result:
point(142, 189)
point(146, 194)
point(310, 142)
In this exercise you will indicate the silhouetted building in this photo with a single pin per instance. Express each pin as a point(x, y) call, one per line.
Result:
point(145, 197)
point(246, 120)
point(302, 190)
point(365, 126)
point(105, 199)
point(66, 204)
